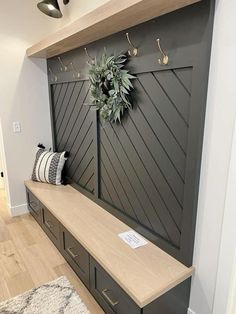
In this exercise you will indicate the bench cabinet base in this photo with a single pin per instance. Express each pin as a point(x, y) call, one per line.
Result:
point(111, 297)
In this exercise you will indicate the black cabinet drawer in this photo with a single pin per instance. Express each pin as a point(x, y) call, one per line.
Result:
point(175, 301)
point(76, 255)
point(51, 226)
point(34, 206)
point(108, 293)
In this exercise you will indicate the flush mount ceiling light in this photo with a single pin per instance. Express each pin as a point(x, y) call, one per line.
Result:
point(51, 7)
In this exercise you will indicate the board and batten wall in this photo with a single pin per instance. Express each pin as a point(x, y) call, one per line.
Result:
point(146, 170)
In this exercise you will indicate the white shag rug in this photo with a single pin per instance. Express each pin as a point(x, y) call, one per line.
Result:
point(56, 297)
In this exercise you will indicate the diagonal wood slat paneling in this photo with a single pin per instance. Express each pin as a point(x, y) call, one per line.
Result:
point(146, 170)
point(143, 160)
point(74, 131)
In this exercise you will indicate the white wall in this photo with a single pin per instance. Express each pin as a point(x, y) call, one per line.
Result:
point(24, 93)
point(219, 128)
point(2, 186)
point(4, 183)
point(225, 295)
point(76, 9)
point(23, 85)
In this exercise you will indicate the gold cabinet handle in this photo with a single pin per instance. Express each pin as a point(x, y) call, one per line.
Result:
point(48, 224)
point(72, 254)
point(33, 204)
point(104, 292)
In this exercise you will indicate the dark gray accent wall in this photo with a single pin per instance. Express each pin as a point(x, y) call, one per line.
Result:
point(143, 160)
point(74, 131)
point(145, 170)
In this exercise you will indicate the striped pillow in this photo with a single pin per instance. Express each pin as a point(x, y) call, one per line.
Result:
point(48, 166)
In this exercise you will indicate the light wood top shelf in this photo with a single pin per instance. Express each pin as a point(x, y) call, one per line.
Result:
point(110, 18)
point(144, 273)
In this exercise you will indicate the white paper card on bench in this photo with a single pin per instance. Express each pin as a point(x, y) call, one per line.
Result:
point(133, 239)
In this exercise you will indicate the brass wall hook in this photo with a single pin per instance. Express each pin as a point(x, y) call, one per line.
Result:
point(54, 77)
point(76, 74)
point(165, 59)
point(134, 51)
point(87, 54)
point(63, 66)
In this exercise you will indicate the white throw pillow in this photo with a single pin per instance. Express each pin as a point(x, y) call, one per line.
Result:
point(48, 166)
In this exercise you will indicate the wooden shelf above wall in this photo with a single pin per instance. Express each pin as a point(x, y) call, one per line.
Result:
point(110, 18)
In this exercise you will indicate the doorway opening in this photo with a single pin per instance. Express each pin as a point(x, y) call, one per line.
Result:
point(4, 195)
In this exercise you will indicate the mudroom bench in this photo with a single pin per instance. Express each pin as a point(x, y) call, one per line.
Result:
point(123, 280)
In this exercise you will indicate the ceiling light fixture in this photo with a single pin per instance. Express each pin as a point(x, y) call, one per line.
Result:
point(51, 7)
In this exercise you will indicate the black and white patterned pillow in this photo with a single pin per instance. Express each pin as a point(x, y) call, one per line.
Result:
point(48, 166)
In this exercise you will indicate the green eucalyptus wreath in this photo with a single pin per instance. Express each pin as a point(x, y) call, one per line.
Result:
point(110, 87)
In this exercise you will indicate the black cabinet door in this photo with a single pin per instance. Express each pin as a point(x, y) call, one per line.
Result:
point(108, 293)
point(175, 301)
point(51, 226)
point(75, 254)
point(34, 206)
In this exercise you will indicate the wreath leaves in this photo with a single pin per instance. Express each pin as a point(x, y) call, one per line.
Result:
point(110, 87)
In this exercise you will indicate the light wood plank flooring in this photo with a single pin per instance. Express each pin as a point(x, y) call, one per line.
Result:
point(28, 259)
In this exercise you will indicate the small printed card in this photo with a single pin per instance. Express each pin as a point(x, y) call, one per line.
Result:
point(133, 239)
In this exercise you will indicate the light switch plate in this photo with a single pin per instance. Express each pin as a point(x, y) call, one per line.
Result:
point(16, 127)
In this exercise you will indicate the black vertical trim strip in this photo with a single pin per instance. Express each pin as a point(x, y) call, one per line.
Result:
point(96, 153)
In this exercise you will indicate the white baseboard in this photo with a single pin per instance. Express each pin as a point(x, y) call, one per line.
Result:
point(19, 210)
point(190, 311)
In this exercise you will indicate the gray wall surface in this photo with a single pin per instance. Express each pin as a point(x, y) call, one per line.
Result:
point(145, 170)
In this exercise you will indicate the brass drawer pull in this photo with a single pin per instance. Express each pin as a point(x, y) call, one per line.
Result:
point(104, 292)
point(48, 224)
point(73, 255)
point(33, 204)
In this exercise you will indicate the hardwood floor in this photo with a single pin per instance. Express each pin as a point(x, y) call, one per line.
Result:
point(29, 259)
